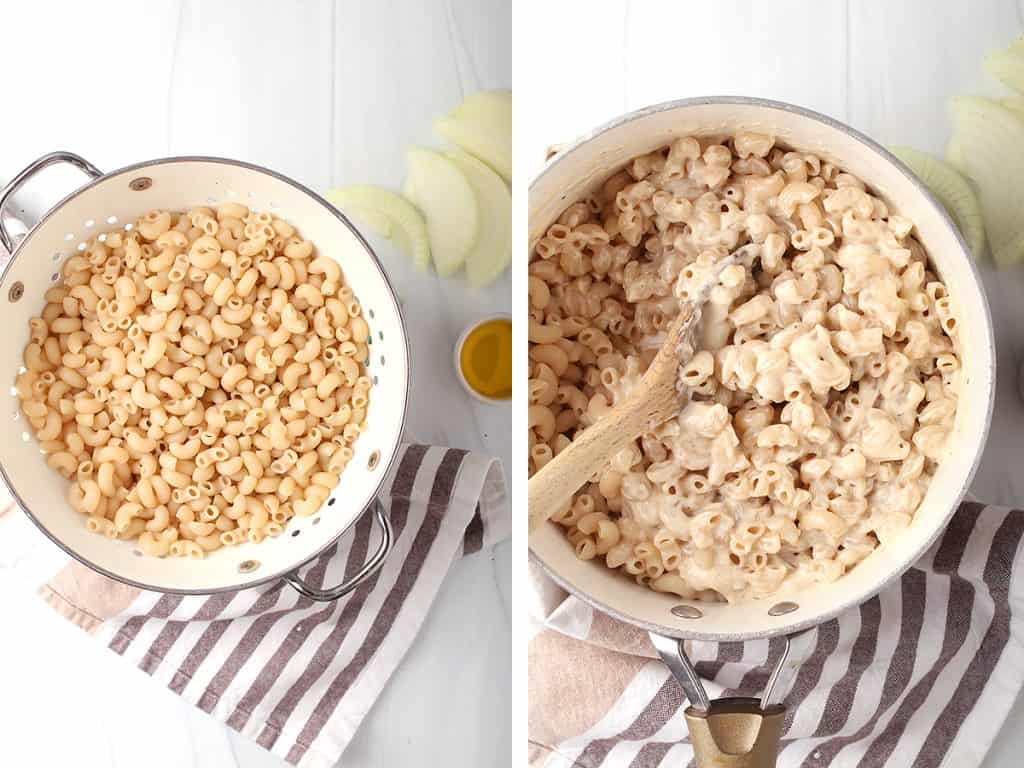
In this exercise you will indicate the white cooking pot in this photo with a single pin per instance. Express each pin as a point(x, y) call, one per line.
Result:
point(117, 199)
point(568, 177)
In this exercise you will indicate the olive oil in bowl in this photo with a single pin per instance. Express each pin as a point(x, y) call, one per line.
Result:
point(483, 359)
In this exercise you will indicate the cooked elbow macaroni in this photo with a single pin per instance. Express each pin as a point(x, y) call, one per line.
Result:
point(199, 378)
point(822, 394)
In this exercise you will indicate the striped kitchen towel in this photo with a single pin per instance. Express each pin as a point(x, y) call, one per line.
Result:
point(922, 675)
point(294, 675)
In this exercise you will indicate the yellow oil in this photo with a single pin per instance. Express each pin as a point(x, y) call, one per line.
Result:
point(486, 359)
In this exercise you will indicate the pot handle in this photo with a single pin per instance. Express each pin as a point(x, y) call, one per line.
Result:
point(734, 732)
point(371, 566)
point(31, 170)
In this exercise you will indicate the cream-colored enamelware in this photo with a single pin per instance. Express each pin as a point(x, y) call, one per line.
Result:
point(575, 170)
point(116, 199)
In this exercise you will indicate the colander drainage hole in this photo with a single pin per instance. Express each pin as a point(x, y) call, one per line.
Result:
point(111, 219)
point(295, 533)
point(57, 256)
point(330, 502)
point(69, 236)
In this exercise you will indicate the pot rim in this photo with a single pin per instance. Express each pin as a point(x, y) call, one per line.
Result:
point(968, 476)
point(396, 443)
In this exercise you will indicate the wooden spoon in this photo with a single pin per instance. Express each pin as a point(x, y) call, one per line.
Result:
point(653, 401)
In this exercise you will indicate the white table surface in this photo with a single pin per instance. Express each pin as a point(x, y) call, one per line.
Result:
point(327, 93)
point(883, 66)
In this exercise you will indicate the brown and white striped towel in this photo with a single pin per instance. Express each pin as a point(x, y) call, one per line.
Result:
point(294, 675)
point(921, 675)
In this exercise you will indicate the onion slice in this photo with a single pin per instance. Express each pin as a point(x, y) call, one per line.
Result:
point(1014, 105)
point(389, 215)
point(491, 254)
point(952, 190)
point(442, 191)
point(482, 126)
point(991, 141)
point(1007, 66)
point(955, 154)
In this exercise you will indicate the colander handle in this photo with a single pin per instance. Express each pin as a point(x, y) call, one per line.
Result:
point(30, 170)
point(372, 565)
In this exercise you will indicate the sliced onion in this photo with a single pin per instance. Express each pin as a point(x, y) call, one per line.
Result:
point(1008, 67)
point(952, 190)
point(439, 189)
point(491, 254)
point(955, 154)
point(1014, 105)
point(991, 141)
point(389, 215)
point(482, 126)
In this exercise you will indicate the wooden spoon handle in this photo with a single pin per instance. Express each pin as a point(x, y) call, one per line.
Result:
point(653, 401)
point(560, 478)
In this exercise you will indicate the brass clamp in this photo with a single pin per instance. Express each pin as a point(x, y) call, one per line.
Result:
point(737, 731)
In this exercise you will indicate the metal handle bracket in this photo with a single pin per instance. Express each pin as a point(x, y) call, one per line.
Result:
point(738, 732)
point(371, 566)
point(674, 655)
point(31, 170)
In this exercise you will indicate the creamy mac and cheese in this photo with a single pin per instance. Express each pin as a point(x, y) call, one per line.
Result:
point(822, 394)
point(199, 379)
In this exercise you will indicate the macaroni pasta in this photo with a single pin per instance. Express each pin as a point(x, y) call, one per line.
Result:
point(822, 394)
point(199, 378)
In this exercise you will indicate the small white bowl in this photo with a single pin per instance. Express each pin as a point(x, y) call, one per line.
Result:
point(458, 362)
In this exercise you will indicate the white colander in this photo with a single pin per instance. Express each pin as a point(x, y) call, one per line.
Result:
point(115, 200)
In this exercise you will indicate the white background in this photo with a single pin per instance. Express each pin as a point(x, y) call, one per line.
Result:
point(884, 67)
point(327, 93)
